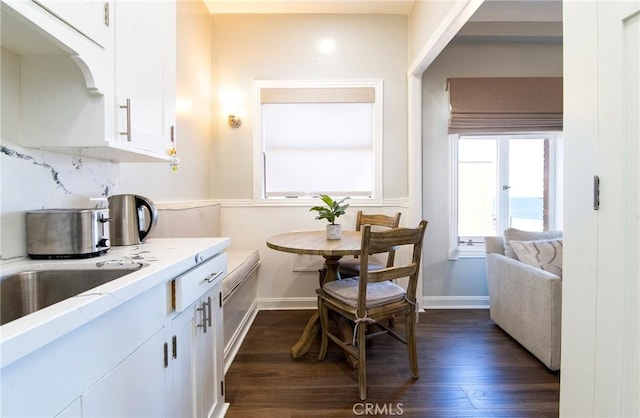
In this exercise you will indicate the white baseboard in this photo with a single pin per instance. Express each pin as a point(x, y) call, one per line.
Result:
point(428, 302)
point(455, 302)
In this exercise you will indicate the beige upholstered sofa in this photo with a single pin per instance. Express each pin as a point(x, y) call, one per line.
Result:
point(240, 285)
point(526, 300)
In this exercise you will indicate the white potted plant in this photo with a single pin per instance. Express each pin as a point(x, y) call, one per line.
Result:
point(331, 210)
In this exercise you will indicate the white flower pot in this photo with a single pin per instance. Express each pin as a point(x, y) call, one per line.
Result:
point(334, 231)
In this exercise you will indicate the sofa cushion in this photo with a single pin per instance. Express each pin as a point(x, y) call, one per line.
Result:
point(543, 254)
point(346, 290)
point(240, 264)
point(513, 234)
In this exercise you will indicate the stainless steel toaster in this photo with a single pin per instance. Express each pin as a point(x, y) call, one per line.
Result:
point(67, 233)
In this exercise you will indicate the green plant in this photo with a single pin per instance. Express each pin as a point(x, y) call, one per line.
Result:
point(332, 209)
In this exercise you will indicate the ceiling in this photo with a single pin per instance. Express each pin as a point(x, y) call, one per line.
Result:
point(310, 6)
point(494, 21)
point(538, 21)
point(491, 10)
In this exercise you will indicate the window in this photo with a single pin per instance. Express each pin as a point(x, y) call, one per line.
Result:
point(317, 137)
point(500, 181)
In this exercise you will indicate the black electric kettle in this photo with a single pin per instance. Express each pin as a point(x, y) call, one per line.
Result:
point(132, 217)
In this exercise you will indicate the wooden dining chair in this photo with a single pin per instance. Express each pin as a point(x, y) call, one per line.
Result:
point(350, 266)
point(373, 297)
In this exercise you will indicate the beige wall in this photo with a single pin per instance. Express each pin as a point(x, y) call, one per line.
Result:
point(432, 25)
point(466, 277)
point(193, 113)
point(425, 18)
point(284, 47)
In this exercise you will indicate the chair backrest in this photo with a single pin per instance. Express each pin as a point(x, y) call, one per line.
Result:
point(374, 242)
point(386, 221)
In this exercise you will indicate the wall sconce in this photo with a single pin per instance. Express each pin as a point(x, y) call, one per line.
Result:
point(234, 121)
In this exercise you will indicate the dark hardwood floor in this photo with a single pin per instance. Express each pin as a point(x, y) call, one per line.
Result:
point(468, 368)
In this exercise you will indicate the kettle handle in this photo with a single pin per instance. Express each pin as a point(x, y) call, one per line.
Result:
point(153, 213)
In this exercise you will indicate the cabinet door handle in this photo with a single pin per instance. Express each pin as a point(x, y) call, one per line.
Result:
point(213, 276)
point(203, 309)
point(106, 14)
point(209, 309)
point(596, 193)
point(127, 132)
point(174, 346)
point(166, 355)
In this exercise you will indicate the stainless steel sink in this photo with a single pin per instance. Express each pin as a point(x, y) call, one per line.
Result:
point(27, 291)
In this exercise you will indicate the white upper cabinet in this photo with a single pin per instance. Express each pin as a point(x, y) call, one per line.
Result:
point(81, 30)
point(145, 73)
point(81, 62)
point(89, 17)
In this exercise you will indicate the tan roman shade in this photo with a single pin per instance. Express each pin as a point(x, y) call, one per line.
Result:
point(493, 105)
point(318, 95)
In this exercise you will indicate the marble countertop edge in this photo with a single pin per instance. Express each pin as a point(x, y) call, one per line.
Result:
point(164, 259)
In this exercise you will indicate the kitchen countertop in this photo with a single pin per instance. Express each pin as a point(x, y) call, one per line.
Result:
point(164, 259)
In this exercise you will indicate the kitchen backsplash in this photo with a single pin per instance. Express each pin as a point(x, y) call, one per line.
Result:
point(37, 179)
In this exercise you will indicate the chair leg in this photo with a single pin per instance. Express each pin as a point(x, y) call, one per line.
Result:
point(410, 323)
point(362, 360)
point(324, 328)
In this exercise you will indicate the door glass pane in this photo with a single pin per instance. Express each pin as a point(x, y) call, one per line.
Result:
point(527, 184)
point(476, 187)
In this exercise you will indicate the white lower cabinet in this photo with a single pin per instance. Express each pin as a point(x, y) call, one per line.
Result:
point(209, 356)
point(183, 364)
point(198, 369)
point(144, 358)
point(134, 388)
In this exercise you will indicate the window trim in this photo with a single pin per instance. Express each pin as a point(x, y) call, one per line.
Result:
point(456, 250)
point(258, 146)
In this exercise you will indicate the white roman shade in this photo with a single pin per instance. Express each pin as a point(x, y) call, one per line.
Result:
point(512, 104)
point(320, 137)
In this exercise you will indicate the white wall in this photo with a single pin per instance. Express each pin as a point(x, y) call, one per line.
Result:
point(284, 47)
point(34, 179)
point(463, 282)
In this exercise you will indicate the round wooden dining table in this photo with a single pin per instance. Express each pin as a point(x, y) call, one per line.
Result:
point(316, 243)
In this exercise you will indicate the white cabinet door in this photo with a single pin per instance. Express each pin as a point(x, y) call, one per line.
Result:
point(145, 74)
point(89, 17)
point(197, 367)
point(183, 385)
point(209, 354)
point(600, 312)
point(135, 388)
point(70, 101)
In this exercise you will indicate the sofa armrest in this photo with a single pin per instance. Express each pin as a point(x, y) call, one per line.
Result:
point(494, 245)
point(526, 302)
